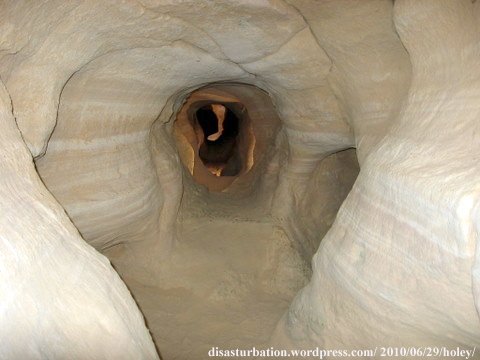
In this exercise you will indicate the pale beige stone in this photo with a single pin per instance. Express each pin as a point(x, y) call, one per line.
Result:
point(97, 155)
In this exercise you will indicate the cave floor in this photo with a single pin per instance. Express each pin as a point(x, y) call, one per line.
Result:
point(226, 285)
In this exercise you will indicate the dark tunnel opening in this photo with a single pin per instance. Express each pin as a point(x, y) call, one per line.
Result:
point(219, 149)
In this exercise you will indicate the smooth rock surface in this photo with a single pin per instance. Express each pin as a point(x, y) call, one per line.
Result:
point(60, 298)
point(91, 90)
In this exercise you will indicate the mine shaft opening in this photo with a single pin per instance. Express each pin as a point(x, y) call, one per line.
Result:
point(219, 150)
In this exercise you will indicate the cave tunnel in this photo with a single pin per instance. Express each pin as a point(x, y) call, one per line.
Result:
point(183, 177)
point(219, 148)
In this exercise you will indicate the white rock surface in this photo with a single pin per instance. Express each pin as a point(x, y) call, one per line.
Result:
point(60, 298)
point(396, 266)
point(94, 87)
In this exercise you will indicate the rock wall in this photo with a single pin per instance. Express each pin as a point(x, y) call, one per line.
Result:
point(60, 298)
point(94, 88)
point(399, 266)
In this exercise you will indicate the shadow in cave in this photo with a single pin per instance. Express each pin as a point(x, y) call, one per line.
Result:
point(219, 149)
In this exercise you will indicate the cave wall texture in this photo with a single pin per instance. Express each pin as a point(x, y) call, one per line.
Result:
point(89, 92)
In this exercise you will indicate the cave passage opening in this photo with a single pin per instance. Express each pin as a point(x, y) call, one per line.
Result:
point(224, 133)
point(230, 250)
point(219, 145)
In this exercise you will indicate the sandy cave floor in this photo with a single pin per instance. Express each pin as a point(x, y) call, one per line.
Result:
point(226, 284)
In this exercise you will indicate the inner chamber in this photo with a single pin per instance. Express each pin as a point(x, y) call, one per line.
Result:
point(222, 133)
point(219, 144)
